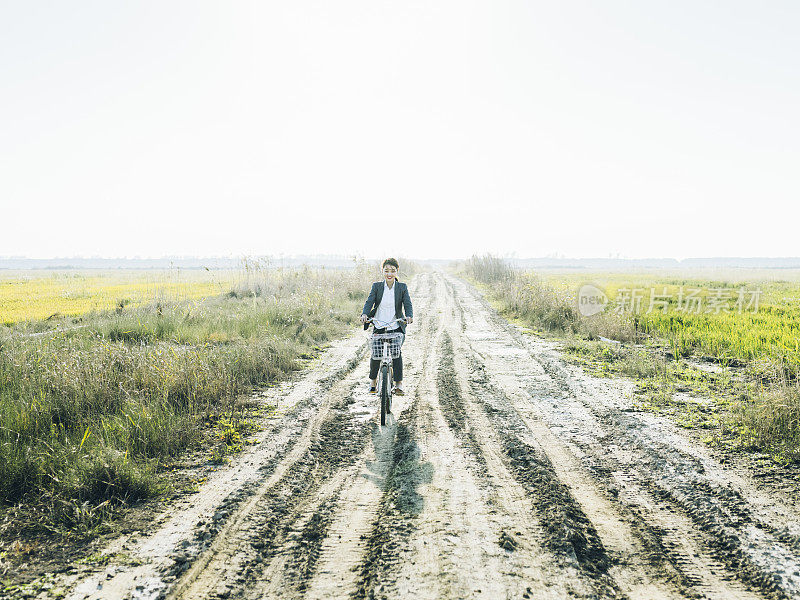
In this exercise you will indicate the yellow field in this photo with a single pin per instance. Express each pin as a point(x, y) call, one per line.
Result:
point(36, 295)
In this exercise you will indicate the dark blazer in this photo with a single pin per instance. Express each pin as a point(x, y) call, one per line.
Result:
point(401, 302)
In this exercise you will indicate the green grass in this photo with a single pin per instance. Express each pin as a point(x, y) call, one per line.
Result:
point(89, 416)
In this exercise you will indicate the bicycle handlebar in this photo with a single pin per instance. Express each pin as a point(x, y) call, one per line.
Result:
point(400, 320)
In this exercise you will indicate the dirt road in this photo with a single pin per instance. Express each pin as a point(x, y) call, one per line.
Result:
point(504, 474)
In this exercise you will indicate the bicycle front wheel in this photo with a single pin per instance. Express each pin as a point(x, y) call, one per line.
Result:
point(384, 393)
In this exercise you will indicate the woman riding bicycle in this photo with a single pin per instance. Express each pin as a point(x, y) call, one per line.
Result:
point(386, 303)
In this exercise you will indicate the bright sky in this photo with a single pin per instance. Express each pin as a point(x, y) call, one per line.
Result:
point(424, 129)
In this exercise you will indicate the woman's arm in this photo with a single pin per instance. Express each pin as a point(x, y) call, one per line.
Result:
point(407, 307)
point(370, 301)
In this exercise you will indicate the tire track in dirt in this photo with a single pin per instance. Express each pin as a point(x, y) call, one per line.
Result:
point(697, 530)
point(569, 532)
point(453, 537)
point(284, 571)
point(582, 521)
point(529, 528)
point(401, 502)
point(453, 549)
point(261, 526)
point(352, 518)
point(320, 561)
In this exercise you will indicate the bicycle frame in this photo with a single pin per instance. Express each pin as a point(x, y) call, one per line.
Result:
point(389, 345)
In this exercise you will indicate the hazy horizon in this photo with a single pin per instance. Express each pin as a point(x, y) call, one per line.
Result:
point(350, 257)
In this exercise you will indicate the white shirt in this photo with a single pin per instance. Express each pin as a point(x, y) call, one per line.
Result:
point(385, 312)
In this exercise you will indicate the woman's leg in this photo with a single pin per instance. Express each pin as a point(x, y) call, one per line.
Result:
point(397, 366)
point(374, 366)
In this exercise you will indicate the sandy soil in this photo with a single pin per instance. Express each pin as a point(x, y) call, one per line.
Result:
point(502, 473)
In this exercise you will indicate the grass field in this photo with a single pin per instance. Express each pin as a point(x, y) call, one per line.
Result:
point(89, 414)
point(758, 395)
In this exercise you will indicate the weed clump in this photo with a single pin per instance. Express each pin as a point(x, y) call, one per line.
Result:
point(771, 421)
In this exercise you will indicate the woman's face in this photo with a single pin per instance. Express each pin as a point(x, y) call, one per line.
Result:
point(389, 273)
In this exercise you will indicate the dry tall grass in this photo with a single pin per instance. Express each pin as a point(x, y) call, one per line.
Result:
point(87, 415)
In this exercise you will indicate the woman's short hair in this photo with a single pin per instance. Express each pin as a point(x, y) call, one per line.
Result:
point(392, 262)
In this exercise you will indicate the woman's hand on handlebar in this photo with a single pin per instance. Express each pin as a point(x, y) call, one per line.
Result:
point(366, 319)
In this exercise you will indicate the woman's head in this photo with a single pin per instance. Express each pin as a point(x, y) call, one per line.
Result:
point(390, 269)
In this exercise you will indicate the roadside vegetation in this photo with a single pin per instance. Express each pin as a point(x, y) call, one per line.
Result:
point(733, 371)
point(90, 415)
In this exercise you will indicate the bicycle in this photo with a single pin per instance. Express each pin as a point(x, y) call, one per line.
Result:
point(386, 347)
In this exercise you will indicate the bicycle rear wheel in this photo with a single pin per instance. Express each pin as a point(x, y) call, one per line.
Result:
point(384, 393)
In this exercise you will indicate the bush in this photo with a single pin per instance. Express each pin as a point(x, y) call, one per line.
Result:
point(771, 422)
point(489, 269)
